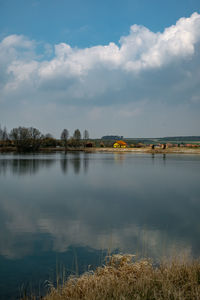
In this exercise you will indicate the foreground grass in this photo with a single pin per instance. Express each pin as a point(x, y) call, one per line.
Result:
point(123, 279)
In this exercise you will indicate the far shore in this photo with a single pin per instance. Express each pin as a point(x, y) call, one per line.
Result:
point(147, 150)
point(175, 150)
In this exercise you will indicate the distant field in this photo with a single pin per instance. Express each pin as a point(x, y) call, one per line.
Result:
point(172, 140)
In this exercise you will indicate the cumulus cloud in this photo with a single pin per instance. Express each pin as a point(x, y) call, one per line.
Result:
point(144, 66)
point(145, 49)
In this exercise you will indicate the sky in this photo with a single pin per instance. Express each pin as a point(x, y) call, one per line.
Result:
point(128, 67)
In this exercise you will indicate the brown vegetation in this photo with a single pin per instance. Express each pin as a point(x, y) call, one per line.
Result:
point(122, 278)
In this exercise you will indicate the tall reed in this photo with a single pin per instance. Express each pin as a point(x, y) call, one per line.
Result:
point(122, 278)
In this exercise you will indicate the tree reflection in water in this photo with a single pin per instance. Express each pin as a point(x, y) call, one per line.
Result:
point(18, 166)
point(76, 160)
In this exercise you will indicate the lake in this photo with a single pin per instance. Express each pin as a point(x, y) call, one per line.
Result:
point(66, 211)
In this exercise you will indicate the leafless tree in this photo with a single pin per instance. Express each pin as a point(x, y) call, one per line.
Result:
point(64, 137)
point(85, 137)
point(4, 134)
point(77, 137)
point(26, 139)
point(86, 134)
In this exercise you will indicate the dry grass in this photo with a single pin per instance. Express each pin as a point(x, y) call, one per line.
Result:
point(123, 279)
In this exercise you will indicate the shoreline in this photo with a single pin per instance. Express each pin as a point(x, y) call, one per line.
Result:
point(111, 150)
point(147, 150)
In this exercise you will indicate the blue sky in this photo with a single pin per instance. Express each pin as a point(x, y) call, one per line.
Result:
point(82, 64)
point(85, 23)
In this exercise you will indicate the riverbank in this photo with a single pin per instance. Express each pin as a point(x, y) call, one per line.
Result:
point(175, 150)
point(147, 150)
point(122, 278)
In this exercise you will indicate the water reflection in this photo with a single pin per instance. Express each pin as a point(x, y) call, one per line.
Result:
point(31, 165)
point(24, 166)
point(86, 159)
point(32, 274)
point(119, 157)
point(134, 203)
point(64, 163)
point(76, 161)
point(100, 203)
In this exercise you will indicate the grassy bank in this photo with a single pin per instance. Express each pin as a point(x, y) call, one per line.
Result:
point(123, 279)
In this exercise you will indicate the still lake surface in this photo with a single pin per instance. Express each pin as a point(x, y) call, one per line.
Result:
point(65, 211)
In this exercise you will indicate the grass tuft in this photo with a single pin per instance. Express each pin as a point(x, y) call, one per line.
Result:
point(123, 279)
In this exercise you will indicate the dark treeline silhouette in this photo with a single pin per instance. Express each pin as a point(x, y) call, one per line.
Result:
point(26, 139)
point(30, 139)
point(76, 140)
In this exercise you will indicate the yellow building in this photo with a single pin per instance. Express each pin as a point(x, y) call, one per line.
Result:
point(120, 144)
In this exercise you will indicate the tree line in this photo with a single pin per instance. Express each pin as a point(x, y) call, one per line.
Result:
point(31, 139)
point(76, 140)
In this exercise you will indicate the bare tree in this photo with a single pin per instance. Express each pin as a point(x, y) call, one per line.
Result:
point(77, 137)
point(26, 139)
point(4, 134)
point(64, 137)
point(1, 133)
point(85, 136)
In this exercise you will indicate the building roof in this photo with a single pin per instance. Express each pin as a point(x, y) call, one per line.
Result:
point(121, 143)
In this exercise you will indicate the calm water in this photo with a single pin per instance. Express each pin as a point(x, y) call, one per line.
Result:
point(64, 210)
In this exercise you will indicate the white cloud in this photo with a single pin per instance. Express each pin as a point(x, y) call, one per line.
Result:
point(145, 65)
point(16, 47)
point(139, 50)
point(17, 41)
